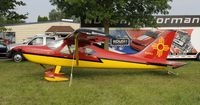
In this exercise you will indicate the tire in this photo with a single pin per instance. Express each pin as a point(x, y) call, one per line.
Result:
point(17, 57)
point(198, 57)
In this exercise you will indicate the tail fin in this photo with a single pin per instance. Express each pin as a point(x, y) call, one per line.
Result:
point(160, 48)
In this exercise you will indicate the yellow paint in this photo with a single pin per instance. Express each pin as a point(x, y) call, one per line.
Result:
point(57, 70)
point(161, 49)
point(89, 64)
point(56, 79)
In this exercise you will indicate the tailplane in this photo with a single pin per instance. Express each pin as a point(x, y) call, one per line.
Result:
point(160, 48)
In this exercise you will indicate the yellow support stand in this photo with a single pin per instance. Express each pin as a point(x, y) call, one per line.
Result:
point(54, 75)
point(57, 69)
point(56, 79)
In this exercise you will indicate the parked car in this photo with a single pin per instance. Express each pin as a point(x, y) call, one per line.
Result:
point(3, 50)
point(38, 40)
point(140, 42)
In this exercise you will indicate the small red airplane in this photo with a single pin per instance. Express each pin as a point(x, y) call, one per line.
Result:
point(86, 47)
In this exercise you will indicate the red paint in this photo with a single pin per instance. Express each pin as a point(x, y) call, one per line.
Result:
point(148, 55)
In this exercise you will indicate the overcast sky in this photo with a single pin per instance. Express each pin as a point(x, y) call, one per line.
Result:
point(43, 7)
point(35, 8)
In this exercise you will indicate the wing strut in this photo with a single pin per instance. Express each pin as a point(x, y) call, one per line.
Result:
point(77, 58)
point(76, 49)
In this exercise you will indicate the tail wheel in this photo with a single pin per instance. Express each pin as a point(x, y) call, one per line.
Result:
point(17, 57)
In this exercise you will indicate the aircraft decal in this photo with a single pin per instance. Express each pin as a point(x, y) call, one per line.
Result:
point(160, 47)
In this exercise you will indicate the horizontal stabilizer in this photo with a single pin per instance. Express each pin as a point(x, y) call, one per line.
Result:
point(175, 64)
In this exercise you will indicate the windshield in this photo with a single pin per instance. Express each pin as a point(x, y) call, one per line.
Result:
point(55, 44)
point(27, 40)
point(2, 45)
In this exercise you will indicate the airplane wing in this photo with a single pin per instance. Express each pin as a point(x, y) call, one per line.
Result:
point(84, 37)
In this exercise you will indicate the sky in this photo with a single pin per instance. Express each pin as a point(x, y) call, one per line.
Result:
point(34, 8)
point(43, 7)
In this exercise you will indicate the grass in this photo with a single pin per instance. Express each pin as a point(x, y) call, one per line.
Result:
point(23, 84)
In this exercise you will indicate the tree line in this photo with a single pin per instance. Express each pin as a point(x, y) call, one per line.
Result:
point(138, 13)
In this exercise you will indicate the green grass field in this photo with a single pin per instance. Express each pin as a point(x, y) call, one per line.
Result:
point(23, 84)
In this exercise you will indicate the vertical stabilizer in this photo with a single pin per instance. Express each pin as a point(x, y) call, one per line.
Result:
point(160, 48)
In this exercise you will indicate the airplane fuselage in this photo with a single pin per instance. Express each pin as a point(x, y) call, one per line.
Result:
point(100, 59)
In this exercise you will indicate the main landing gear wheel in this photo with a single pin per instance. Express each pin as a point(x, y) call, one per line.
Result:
point(53, 75)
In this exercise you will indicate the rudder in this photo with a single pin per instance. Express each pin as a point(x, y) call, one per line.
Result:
point(160, 48)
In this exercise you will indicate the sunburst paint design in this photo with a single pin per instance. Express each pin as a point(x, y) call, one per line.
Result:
point(160, 47)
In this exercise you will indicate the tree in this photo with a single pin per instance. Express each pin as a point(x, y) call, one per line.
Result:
point(138, 13)
point(56, 15)
point(75, 19)
point(42, 19)
point(8, 14)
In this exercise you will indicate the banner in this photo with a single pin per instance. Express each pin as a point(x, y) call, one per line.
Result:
point(162, 21)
